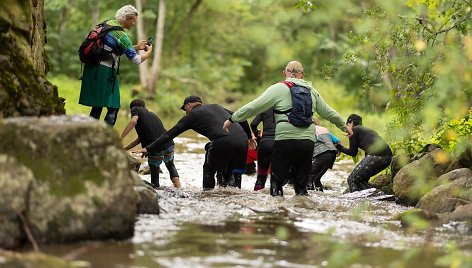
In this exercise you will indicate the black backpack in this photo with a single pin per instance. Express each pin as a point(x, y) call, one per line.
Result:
point(92, 50)
point(301, 113)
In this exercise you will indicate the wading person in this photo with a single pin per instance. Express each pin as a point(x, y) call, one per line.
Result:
point(226, 152)
point(377, 153)
point(293, 146)
point(100, 86)
point(264, 146)
point(324, 156)
point(149, 127)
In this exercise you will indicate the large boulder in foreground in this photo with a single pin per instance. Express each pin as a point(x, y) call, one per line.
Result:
point(75, 183)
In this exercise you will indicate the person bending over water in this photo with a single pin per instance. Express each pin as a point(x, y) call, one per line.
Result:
point(324, 156)
point(149, 127)
point(226, 152)
point(377, 153)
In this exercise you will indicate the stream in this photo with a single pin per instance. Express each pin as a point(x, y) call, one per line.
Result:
point(228, 227)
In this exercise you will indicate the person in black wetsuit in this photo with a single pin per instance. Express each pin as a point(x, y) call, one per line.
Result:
point(265, 145)
point(226, 154)
point(377, 153)
point(149, 127)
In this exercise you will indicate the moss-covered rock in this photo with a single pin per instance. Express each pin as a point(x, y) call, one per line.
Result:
point(456, 191)
point(24, 89)
point(417, 178)
point(10, 259)
point(15, 182)
point(83, 188)
point(383, 182)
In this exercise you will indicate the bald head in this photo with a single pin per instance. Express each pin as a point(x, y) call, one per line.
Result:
point(294, 69)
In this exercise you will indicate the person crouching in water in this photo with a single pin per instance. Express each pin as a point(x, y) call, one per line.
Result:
point(377, 153)
point(149, 127)
point(324, 156)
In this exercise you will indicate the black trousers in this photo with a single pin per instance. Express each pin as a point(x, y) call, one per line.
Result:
point(264, 155)
point(110, 117)
point(226, 157)
point(369, 166)
point(320, 164)
point(291, 158)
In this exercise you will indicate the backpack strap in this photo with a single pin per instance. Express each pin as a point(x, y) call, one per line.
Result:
point(289, 85)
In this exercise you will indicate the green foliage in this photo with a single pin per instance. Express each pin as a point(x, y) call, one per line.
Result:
point(406, 58)
point(412, 59)
point(453, 131)
point(455, 258)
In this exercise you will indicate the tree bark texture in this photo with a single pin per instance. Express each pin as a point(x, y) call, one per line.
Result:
point(24, 89)
point(143, 67)
point(156, 61)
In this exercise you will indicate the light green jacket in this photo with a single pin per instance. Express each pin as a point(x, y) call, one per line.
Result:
point(278, 96)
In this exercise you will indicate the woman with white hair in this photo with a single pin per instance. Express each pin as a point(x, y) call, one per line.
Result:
point(100, 87)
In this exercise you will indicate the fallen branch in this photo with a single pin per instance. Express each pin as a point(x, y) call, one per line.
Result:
point(28, 232)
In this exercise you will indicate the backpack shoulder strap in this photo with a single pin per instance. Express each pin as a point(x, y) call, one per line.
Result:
point(106, 27)
point(289, 85)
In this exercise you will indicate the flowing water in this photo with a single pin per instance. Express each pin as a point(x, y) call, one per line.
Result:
point(229, 227)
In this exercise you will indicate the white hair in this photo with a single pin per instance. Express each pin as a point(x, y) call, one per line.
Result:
point(126, 12)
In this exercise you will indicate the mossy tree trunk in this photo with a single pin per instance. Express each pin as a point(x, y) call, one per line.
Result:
point(24, 89)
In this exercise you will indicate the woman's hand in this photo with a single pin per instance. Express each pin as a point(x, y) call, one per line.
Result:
point(141, 45)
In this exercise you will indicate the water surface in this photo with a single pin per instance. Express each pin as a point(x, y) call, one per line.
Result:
point(229, 227)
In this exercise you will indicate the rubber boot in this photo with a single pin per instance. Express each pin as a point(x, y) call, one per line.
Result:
point(208, 177)
point(318, 186)
point(237, 180)
point(260, 182)
point(276, 186)
point(310, 185)
point(110, 117)
point(220, 180)
point(176, 182)
point(300, 185)
point(228, 179)
point(154, 175)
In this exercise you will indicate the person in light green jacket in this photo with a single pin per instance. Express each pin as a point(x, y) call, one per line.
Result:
point(293, 147)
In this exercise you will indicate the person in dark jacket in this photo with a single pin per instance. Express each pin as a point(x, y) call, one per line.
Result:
point(226, 152)
point(324, 156)
point(264, 146)
point(149, 127)
point(377, 153)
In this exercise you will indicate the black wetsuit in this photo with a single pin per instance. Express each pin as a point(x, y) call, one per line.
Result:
point(226, 152)
point(378, 156)
point(149, 127)
point(264, 148)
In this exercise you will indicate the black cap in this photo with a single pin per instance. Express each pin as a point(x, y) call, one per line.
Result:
point(191, 99)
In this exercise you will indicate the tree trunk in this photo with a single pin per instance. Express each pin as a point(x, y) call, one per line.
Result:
point(155, 70)
point(95, 13)
point(24, 89)
point(143, 67)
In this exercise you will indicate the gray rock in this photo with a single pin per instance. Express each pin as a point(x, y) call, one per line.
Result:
point(15, 183)
point(446, 197)
point(383, 182)
point(82, 188)
point(134, 163)
point(422, 172)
